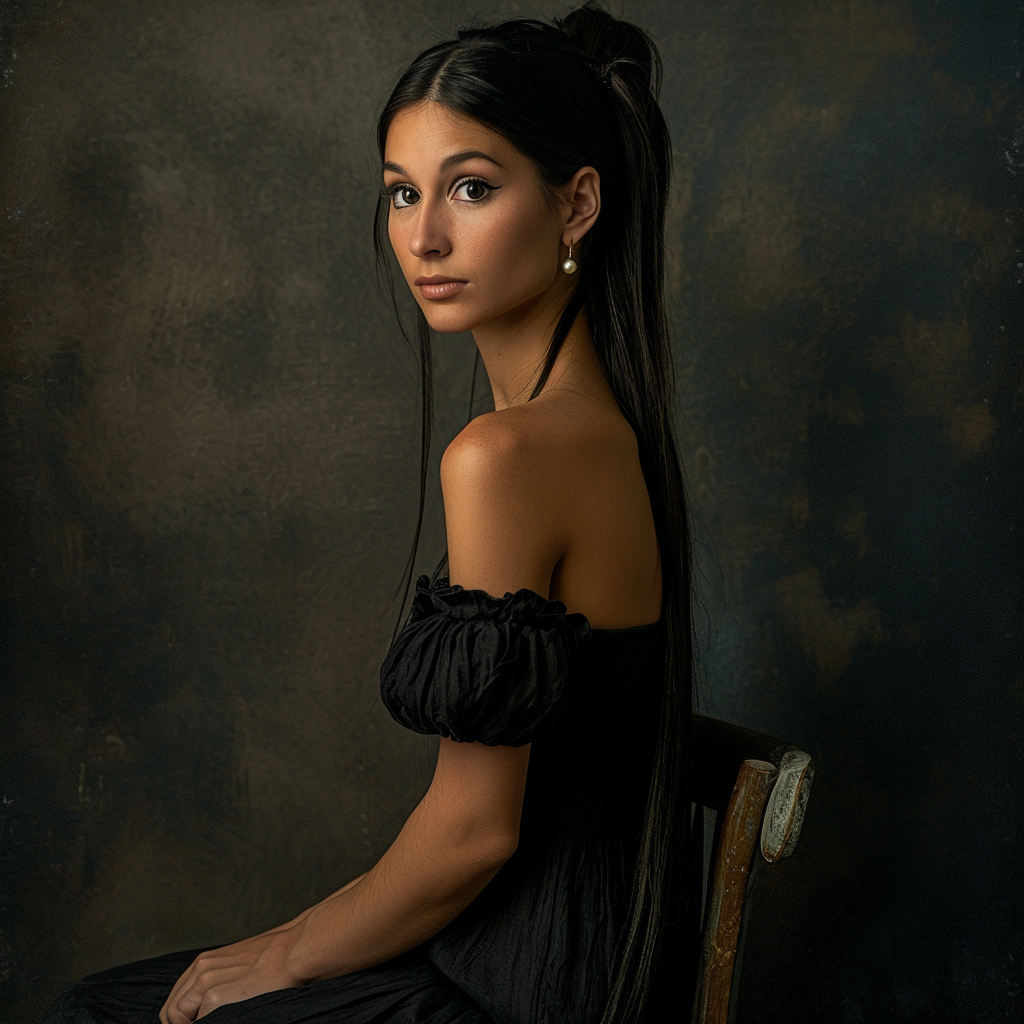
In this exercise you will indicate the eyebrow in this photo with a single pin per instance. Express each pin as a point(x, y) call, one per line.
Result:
point(449, 161)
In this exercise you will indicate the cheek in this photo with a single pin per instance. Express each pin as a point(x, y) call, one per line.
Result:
point(518, 251)
point(401, 250)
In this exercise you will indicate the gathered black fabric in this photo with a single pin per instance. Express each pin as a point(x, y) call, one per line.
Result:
point(538, 945)
point(473, 667)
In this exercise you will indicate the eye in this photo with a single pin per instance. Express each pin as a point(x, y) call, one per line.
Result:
point(402, 196)
point(473, 190)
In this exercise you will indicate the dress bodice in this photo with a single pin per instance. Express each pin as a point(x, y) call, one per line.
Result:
point(589, 777)
point(538, 944)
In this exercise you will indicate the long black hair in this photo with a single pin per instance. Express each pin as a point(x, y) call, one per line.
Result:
point(584, 92)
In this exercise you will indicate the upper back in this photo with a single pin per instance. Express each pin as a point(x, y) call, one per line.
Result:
point(550, 495)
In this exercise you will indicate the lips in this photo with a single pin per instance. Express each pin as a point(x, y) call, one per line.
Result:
point(438, 287)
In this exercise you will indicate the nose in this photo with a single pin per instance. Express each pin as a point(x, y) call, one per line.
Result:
point(430, 237)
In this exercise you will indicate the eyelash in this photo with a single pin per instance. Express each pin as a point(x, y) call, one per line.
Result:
point(392, 191)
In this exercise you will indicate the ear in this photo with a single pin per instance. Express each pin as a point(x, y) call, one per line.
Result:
point(582, 196)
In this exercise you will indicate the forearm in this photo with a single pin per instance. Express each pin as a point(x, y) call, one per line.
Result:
point(289, 926)
point(429, 875)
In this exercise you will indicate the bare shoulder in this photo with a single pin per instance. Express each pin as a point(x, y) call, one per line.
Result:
point(494, 449)
point(512, 484)
point(488, 446)
point(542, 444)
point(550, 495)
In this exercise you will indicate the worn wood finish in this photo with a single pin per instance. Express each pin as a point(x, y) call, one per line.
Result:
point(738, 842)
point(735, 775)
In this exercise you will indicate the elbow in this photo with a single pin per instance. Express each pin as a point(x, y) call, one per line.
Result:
point(482, 846)
point(501, 846)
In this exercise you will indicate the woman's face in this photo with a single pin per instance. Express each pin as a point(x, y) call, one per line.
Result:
point(469, 219)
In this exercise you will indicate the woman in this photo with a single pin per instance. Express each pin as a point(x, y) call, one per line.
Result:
point(525, 169)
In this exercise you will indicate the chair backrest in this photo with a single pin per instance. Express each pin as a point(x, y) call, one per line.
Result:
point(758, 787)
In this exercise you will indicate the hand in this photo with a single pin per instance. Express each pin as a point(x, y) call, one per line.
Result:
point(229, 975)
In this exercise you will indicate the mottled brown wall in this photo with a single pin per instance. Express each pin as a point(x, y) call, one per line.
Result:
point(209, 457)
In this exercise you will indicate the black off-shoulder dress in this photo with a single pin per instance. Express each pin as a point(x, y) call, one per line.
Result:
point(538, 945)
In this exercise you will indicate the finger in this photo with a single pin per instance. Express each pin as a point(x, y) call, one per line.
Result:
point(183, 1004)
point(213, 998)
point(175, 1016)
point(171, 1002)
point(201, 997)
point(166, 1010)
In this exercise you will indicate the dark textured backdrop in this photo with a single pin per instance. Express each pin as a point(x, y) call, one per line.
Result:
point(209, 457)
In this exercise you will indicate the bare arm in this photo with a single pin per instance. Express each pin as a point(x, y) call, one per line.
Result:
point(467, 824)
point(453, 843)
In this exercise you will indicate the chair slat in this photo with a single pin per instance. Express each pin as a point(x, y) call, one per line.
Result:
point(737, 845)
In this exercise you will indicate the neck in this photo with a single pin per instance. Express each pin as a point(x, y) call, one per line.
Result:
point(514, 346)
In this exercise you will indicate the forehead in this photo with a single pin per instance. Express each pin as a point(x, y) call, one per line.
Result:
point(422, 135)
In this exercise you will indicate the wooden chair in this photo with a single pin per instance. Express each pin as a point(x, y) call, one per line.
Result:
point(758, 786)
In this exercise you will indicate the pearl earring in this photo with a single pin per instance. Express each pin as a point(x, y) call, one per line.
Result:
point(569, 265)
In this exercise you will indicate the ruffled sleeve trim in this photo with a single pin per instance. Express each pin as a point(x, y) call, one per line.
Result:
point(474, 667)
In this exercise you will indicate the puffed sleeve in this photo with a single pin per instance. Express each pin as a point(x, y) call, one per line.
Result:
point(478, 668)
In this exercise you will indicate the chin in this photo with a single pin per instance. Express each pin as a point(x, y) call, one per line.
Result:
point(450, 320)
point(449, 325)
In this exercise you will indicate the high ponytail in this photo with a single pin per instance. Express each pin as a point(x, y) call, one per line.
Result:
point(584, 92)
point(631, 337)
